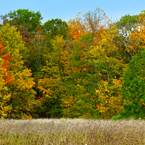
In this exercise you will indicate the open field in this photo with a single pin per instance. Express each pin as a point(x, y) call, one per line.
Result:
point(72, 132)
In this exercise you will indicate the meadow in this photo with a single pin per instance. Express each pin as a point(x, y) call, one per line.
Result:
point(72, 132)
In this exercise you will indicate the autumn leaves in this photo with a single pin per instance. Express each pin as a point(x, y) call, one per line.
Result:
point(20, 92)
point(65, 70)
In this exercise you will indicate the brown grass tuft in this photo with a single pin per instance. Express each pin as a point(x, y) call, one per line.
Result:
point(72, 132)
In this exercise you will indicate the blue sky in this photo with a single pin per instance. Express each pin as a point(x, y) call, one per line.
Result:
point(68, 9)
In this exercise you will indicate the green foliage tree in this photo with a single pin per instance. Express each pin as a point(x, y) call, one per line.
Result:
point(38, 55)
point(79, 99)
point(53, 28)
point(56, 27)
point(127, 22)
point(126, 26)
point(51, 82)
point(22, 16)
point(133, 88)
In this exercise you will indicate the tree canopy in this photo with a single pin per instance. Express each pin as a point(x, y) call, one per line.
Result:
point(87, 67)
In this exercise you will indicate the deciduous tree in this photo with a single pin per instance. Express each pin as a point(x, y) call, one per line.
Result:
point(22, 94)
point(5, 95)
point(133, 88)
point(109, 70)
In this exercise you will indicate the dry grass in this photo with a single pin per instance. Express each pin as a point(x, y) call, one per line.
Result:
point(72, 132)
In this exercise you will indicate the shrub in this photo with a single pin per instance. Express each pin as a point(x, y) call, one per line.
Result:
point(133, 89)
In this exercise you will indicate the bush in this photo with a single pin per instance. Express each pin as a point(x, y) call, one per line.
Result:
point(133, 89)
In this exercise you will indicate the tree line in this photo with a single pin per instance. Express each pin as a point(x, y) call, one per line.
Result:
point(88, 67)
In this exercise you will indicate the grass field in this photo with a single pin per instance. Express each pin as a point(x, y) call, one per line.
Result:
point(72, 132)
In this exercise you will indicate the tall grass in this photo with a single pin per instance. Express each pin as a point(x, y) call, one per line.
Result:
point(72, 132)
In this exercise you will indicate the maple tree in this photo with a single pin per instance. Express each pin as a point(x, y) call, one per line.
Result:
point(109, 71)
point(5, 79)
point(22, 93)
point(91, 22)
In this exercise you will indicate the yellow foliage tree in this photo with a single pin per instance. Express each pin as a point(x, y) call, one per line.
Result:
point(110, 70)
point(50, 84)
point(4, 93)
point(22, 94)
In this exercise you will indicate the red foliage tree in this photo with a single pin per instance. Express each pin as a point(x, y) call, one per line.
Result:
point(6, 57)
